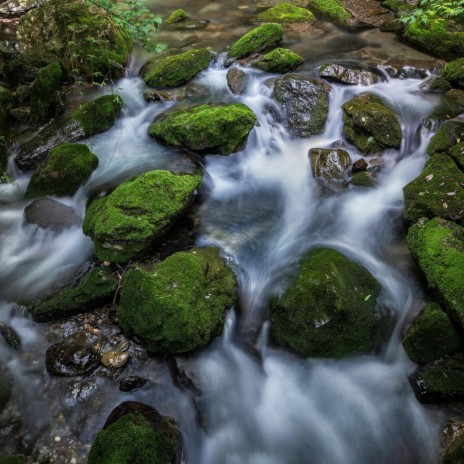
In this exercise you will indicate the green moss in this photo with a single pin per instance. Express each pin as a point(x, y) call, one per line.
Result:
point(14, 459)
point(363, 179)
point(437, 192)
point(66, 168)
point(125, 223)
point(286, 13)
point(43, 92)
point(132, 439)
point(454, 454)
point(279, 60)
point(258, 39)
point(438, 248)
point(437, 84)
point(454, 72)
point(431, 336)
point(447, 136)
point(176, 17)
point(331, 9)
point(328, 310)
point(451, 106)
point(370, 125)
point(99, 115)
point(176, 70)
point(177, 305)
point(220, 128)
point(457, 153)
point(95, 290)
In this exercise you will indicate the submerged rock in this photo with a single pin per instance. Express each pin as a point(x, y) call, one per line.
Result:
point(236, 80)
point(177, 305)
point(180, 20)
point(330, 166)
point(125, 223)
point(306, 102)
point(257, 40)
point(347, 75)
point(50, 214)
point(279, 60)
point(213, 128)
point(286, 13)
point(328, 310)
point(68, 360)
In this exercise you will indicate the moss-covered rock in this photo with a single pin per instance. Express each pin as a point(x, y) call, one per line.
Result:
point(457, 153)
point(66, 168)
point(213, 128)
point(347, 74)
point(279, 60)
point(437, 192)
point(286, 13)
point(431, 336)
point(23, 68)
point(306, 103)
point(370, 125)
point(436, 84)
point(438, 248)
point(97, 289)
point(176, 17)
point(44, 93)
point(447, 136)
point(363, 179)
point(454, 72)
point(14, 459)
point(330, 166)
point(5, 389)
point(454, 453)
point(332, 10)
point(125, 223)
point(450, 106)
point(258, 39)
point(177, 305)
point(82, 36)
point(177, 69)
point(328, 310)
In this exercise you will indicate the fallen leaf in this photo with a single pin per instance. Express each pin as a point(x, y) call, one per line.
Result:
point(429, 177)
point(445, 205)
point(451, 194)
point(367, 297)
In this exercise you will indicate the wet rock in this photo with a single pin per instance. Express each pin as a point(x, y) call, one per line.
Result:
point(363, 179)
point(78, 391)
point(257, 40)
point(115, 359)
point(236, 80)
point(21, 114)
point(286, 13)
point(448, 135)
point(70, 360)
point(370, 125)
point(359, 166)
point(330, 166)
point(155, 96)
point(125, 223)
point(347, 75)
point(177, 305)
point(328, 309)
point(5, 389)
point(179, 20)
point(131, 383)
point(137, 433)
point(212, 128)
point(436, 84)
point(97, 288)
point(412, 68)
point(279, 60)
point(50, 214)
point(10, 335)
point(306, 102)
point(195, 91)
point(175, 70)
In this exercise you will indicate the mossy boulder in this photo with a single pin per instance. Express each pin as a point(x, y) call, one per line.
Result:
point(97, 289)
point(347, 74)
point(279, 60)
point(330, 166)
point(213, 128)
point(286, 13)
point(332, 10)
point(176, 17)
point(431, 336)
point(90, 119)
point(454, 72)
point(66, 168)
point(259, 39)
point(438, 248)
point(370, 124)
point(177, 69)
point(328, 309)
point(82, 36)
point(5, 389)
point(306, 103)
point(177, 305)
point(125, 223)
point(447, 136)
point(454, 453)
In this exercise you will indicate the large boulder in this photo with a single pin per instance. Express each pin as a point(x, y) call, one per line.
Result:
point(66, 168)
point(258, 39)
point(448, 135)
point(330, 166)
point(175, 70)
point(212, 128)
point(332, 10)
point(348, 74)
point(279, 60)
point(328, 309)
point(437, 191)
point(370, 125)
point(177, 305)
point(438, 248)
point(125, 223)
point(306, 103)
point(90, 119)
point(286, 13)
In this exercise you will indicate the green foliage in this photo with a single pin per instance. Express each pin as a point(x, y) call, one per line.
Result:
point(432, 10)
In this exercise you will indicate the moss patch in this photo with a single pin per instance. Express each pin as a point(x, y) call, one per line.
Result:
point(332, 10)
point(457, 153)
point(447, 136)
point(454, 72)
point(177, 305)
point(363, 179)
point(258, 39)
point(279, 60)
point(286, 13)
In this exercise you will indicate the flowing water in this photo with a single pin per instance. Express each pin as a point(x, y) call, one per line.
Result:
point(262, 207)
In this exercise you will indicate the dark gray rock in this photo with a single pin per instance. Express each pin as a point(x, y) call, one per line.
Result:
point(70, 360)
point(132, 382)
point(348, 75)
point(236, 80)
point(50, 214)
point(10, 335)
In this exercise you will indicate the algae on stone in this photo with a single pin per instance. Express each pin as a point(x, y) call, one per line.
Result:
point(331, 9)
point(286, 13)
point(258, 39)
point(177, 305)
point(279, 60)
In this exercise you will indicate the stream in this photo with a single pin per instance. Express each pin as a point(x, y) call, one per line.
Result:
point(264, 210)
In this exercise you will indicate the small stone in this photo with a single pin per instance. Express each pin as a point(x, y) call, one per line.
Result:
point(114, 359)
point(236, 80)
point(359, 166)
point(131, 383)
point(10, 335)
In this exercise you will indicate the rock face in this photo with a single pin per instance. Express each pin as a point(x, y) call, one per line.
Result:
point(125, 223)
point(330, 166)
point(136, 433)
point(454, 72)
point(370, 125)
point(257, 40)
point(95, 290)
point(347, 75)
point(65, 169)
point(438, 248)
point(286, 13)
point(50, 214)
point(177, 305)
point(175, 70)
point(279, 60)
point(305, 101)
point(67, 360)
point(447, 136)
point(328, 310)
point(213, 128)
point(90, 119)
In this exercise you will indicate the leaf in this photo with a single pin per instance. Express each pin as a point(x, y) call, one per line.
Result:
point(367, 297)
point(445, 205)
point(429, 177)
point(450, 194)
